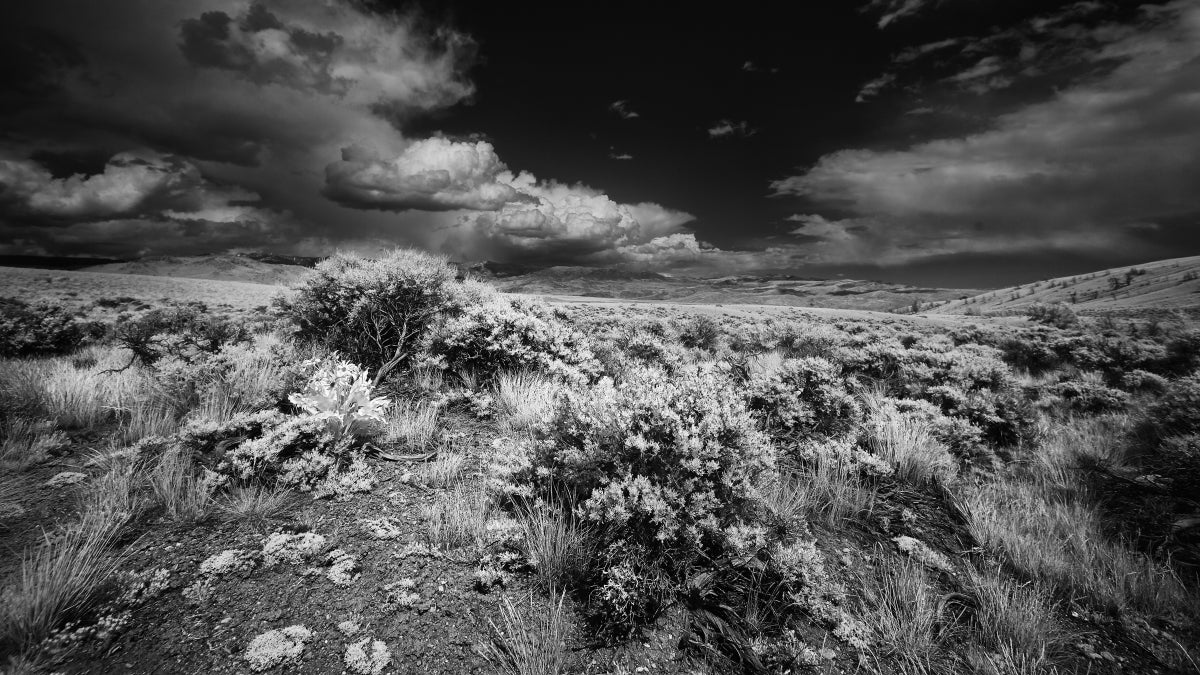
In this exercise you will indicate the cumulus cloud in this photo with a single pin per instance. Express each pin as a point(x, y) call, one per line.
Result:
point(258, 95)
point(435, 174)
point(132, 183)
point(621, 108)
point(559, 222)
point(1079, 170)
point(728, 128)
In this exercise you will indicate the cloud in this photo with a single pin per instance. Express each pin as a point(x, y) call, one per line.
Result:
point(621, 108)
point(1080, 170)
point(257, 96)
point(749, 67)
point(890, 11)
point(871, 89)
point(621, 156)
point(435, 174)
point(131, 184)
point(727, 128)
point(562, 222)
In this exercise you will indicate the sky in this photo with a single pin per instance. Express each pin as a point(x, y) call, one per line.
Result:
point(968, 143)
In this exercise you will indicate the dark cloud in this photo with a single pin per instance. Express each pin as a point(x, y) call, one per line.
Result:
point(727, 128)
point(1072, 172)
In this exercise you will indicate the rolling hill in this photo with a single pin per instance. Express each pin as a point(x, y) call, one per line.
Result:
point(221, 267)
point(1172, 284)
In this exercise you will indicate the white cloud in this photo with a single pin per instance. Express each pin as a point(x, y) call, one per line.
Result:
point(435, 174)
point(727, 128)
point(621, 108)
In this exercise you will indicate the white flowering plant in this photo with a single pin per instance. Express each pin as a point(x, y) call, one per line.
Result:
point(340, 393)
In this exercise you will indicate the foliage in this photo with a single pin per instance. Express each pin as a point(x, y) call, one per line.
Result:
point(1058, 315)
point(666, 462)
point(806, 397)
point(378, 313)
point(1177, 413)
point(1090, 397)
point(489, 339)
point(37, 330)
point(339, 393)
point(186, 333)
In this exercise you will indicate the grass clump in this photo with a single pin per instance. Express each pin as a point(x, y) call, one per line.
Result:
point(531, 640)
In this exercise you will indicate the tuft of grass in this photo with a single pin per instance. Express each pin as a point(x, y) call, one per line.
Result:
point(255, 503)
point(532, 641)
point(149, 416)
point(60, 580)
point(457, 519)
point(907, 443)
point(444, 470)
point(1016, 622)
point(901, 610)
point(828, 492)
point(184, 494)
point(28, 442)
point(113, 499)
point(412, 424)
point(525, 400)
point(556, 544)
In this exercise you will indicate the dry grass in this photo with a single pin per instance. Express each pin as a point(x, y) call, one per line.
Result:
point(525, 400)
point(901, 609)
point(412, 424)
point(533, 640)
point(74, 398)
point(1016, 623)
point(1059, 539)
point(60, 580)
point(255, 503)
point(907, 443)
point(444, 470)
point(828, 493)
point(28, 442)
point(457, 519)
point(555, 542)
point(114, 498)
point(184, 494)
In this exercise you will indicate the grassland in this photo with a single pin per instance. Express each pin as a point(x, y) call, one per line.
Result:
point(589, 485)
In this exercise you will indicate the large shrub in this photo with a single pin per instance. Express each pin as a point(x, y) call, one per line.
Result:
point(1177, 413)
point(187, 333)
point(37, 330)
point(501, 336)
point(805, 397)
point(664, 462)
point(378, 313)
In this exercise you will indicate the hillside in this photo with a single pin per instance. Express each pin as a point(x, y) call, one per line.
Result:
point(649, 286)
point(223, 267)
point(1165, 285)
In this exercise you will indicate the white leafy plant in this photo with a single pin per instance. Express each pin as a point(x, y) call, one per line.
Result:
point(341, 393)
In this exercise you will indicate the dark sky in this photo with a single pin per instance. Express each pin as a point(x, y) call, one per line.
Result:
point(949, 142)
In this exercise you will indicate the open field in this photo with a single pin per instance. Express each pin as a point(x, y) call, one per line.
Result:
point(586, 485)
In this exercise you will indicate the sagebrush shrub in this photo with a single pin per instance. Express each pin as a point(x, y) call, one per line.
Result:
point(185, 333)
point(806, 397)
point(664, 461)
point(1090, 397)
point(501, 336)
point(1177, 413)
point(378, 313)
point(1058, 315)
point(37, 330)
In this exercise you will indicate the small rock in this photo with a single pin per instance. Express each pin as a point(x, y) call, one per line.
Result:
point(66, 478)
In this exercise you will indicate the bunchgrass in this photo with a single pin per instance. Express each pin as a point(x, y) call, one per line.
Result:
point(556, 543)
point(531, 640)
point(60, 580)
point(525, 400)
point(907, 443)
point(254, 503)
point(184, 494)
point(443, 470)
point(457, 518)
point(412, 425)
